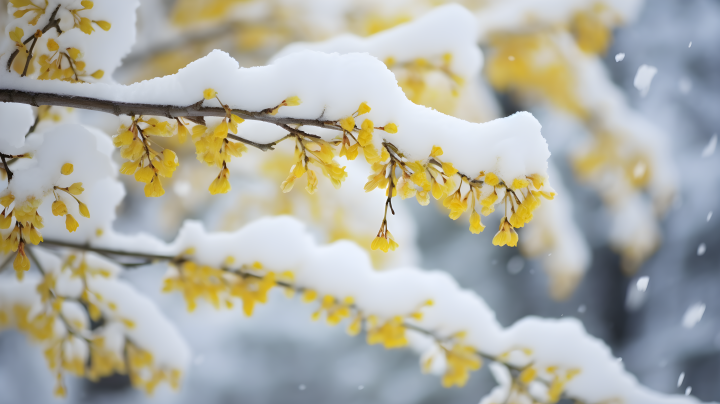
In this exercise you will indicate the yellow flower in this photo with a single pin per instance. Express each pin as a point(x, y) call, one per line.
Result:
point(519, 183)
point(17, 34)
point(74, 53)
point(66, 169)
point(182, 133)
point(234, 122)
point(70, 223)
point(7, 200)
point(76, 188)
point(98, 74)
point(348, 123)
point(154, 188)
point(363, 109)
point(220, 185)
point(221, 130)
point(390, 128)
point(506, 235)
point(423, 198)
point(476, 225)
point(491, 179)
point(59, 208)
point(5, 221)
point(52, 45)
point(145, 174)
point(209, 93)
point(449, 169)
point(292, 101)
point(528, 375)
point(84, 209)
point(312, 182)
point(104, 25)
point(436, 151)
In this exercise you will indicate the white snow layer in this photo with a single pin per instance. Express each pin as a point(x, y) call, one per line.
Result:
point(332, 87)
point(448, 29)
point(400, 292)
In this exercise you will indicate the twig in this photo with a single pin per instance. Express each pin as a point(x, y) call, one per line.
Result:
point(7, 169)
point(261, 146)
point(52, 23)
point(106, 251)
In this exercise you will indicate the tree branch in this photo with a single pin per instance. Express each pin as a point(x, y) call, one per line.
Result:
point(168, 111)
point(106, 251)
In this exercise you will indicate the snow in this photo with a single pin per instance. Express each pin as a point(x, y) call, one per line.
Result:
point(709, 149)
point(16, 119)
point(521, 15)
point(693, 315)
point(643, 78)
point(620, 57)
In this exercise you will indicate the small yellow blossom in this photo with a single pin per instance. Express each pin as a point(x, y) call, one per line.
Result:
point(209, 93)
point(103, 24)
point(348, 123)
point(83, 209)
point(292, 101)
point(70, 223)
point(491, 179)
point(66, 169)
point(59, 208)
point(476, 225)
point(506, 235)
point(52, 45)
point(390, 128)
point(76, 188)
point(363, 109)
point(17, 34)
point(221, 184)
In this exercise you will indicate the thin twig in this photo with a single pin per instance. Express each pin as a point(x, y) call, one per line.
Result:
point(7, 169)
point(52, 23)
point(261, 146)
point(107, 251)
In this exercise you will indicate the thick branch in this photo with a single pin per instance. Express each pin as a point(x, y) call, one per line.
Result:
point(168, 111)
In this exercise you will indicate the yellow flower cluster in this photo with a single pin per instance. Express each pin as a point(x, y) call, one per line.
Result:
point(213, 147)
point(512, 65)
point(60, 209)
point(55, 63)
point(335, 310)
point(51, 64)
point(147, 161)
point(414, 78)
point(590, 31)
point(143, 374)
point(391, 333)
point(28, 222)
point(220, 286)
point(461, 360)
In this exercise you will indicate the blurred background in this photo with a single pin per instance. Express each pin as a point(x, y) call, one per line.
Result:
point(640, 269)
